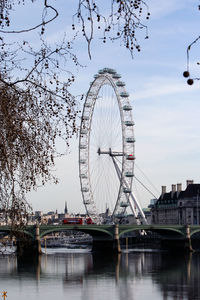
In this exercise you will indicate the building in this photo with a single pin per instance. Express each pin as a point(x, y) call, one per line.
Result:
point(66, 209)
point(178, 206)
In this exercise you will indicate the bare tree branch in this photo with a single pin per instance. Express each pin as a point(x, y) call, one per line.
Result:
point(42, 24)
point(121, 23)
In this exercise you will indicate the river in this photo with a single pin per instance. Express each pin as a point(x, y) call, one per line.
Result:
point(80, 275)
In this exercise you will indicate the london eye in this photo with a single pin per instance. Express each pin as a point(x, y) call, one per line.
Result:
point(107, 149)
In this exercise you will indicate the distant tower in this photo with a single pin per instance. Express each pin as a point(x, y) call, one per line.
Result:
point(66, 210)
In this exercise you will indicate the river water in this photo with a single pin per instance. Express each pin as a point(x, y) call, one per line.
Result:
point(80, 275)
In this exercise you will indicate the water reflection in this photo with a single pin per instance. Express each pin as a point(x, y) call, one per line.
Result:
point(133, 275)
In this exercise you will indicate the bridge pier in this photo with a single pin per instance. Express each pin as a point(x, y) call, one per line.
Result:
point(188, 243)
point(108, 245)
point(28, 246)
point(181, 244)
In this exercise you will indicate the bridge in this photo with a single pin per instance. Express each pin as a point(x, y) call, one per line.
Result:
point(105, 237)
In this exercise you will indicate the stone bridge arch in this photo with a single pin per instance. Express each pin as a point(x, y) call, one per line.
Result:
point(93, 231)
point(158, 229)
point(194, 231)
point(104, 236)
point(10, 230)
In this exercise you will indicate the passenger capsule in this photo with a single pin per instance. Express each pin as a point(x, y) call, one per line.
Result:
point(101, 71)
point(130, 140)
point(83, 161)
point(123, 204)
point(130, 157)
point(111, 71)
point(126, 190)
point(129, 174)
point(127, 107)
point(120, 83)
point(85, 189)
point(124, 94)
point(105, 70)
point(84, 176)
point(129, 123)
point(116, 76)
point(87, 202)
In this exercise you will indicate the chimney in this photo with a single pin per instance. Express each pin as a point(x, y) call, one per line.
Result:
point(179, 187)
point(163, 189)
point(189, 182)
point(173, 188)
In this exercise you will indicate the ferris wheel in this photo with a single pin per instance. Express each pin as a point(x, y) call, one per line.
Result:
point(107, 149)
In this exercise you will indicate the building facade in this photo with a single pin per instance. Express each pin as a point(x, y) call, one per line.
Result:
point(178, 206)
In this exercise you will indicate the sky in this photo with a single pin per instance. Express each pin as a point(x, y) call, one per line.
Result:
point(165, 109)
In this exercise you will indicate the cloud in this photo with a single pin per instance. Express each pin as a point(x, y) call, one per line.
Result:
point(158, 87)
point(159, 11)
